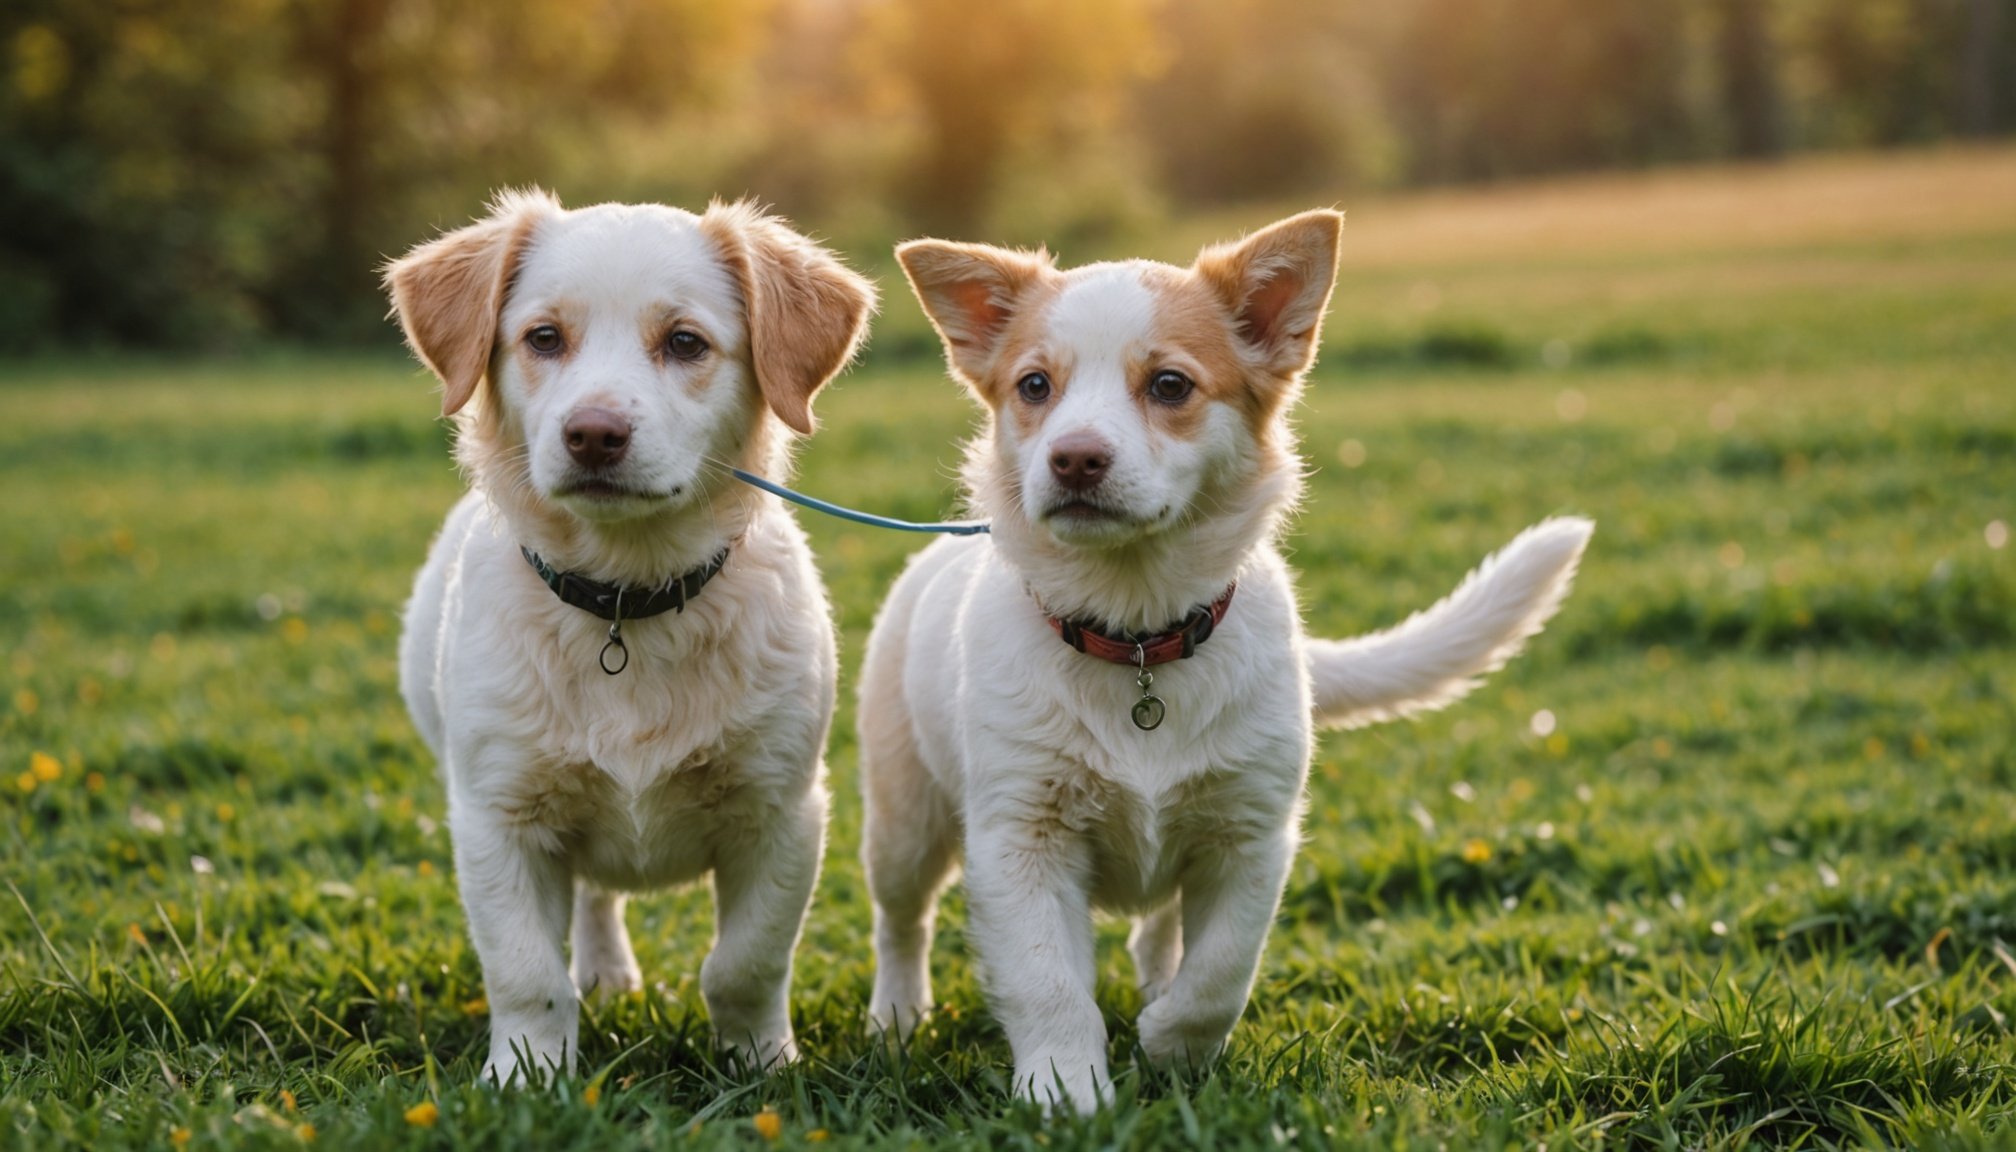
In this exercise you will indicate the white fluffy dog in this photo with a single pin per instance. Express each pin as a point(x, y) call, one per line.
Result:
point(622, 657)
point(1110, 702)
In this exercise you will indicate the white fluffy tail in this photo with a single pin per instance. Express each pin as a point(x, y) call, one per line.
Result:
point(1434, 657)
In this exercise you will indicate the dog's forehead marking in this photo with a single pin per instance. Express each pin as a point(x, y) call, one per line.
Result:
point(1104, 313)
point(620, 259)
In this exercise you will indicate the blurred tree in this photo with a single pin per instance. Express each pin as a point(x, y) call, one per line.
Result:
point(1492, 88)
point(1015, 76)
point(194, 172)
point(1749, 77)
point(207, 172)
point(1883, 71)
point(345, 42)
point(1266, 98)
point(147, 165)
point(1984, 59)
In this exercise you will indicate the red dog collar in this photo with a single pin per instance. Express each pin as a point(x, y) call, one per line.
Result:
point(1139, 649)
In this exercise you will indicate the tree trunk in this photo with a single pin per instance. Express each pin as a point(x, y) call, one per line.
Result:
point(1977, 67)
point(1749, 77)
point(350, 72)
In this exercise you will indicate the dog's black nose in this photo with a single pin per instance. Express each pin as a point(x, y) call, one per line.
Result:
point(596, 437)
point(1079, 461)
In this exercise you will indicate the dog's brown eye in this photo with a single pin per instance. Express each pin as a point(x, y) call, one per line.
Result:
point(684, 345)
point(1169, 387)
point(545, 339)
point(1034, 388)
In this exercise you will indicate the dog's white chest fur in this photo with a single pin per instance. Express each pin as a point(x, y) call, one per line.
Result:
point(632, 834)
point(1141, 837)
point(1042, 737)
point(634, 778)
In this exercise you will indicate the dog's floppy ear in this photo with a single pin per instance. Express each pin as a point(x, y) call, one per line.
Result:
point(1277, 283)
point(448, 292)
point(806, 311)
point(970, 292)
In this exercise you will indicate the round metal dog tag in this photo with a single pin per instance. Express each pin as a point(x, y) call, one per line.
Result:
point(1148, 713)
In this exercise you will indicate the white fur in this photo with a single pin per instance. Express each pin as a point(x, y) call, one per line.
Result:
point(983, 735)
point(567, 786)
point(1436, 655)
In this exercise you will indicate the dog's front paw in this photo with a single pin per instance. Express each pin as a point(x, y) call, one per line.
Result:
point(521, 1061)
point(896, 1017)
point(1184, 1035)
point(758, 1054)
point(532, 1039)
point(1081, 1090)
point(606, 977)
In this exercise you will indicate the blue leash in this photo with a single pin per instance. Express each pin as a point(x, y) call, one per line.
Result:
point(950, 528)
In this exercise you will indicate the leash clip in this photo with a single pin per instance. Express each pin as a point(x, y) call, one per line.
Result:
point(1148, 710)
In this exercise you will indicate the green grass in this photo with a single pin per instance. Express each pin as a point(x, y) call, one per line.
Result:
point(1754, 888)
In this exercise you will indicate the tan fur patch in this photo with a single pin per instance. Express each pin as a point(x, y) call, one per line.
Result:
point(1276, 284)
point(449, 291)
point(979, 298)
point(534, 368)
point(1022, 349)
point(1194, 335)
point(806, 312)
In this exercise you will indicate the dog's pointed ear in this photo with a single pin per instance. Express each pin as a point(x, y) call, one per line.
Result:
point(1277, 284)
point(970, 292)
point(806, 311)
point(448, 292)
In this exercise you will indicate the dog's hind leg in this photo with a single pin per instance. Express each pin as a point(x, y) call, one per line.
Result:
point(1156, 943)
point(909, 847)
point(603, 963)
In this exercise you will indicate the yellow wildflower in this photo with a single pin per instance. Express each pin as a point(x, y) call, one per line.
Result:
point(423, 1114)
point(45, 767)
point(178, 1136)
point(1476, 851)
point(769, 1125)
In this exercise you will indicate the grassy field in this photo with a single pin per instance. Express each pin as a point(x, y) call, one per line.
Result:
point(1729, 858)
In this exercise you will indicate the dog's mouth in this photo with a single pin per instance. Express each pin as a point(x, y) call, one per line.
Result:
point(597, 490)
point(1077, 509)
point(603, 490)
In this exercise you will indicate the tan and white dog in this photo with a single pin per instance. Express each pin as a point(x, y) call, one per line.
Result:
point(622, 658)
point(1110, 703)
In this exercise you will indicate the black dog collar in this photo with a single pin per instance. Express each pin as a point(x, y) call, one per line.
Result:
point(617, 602)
